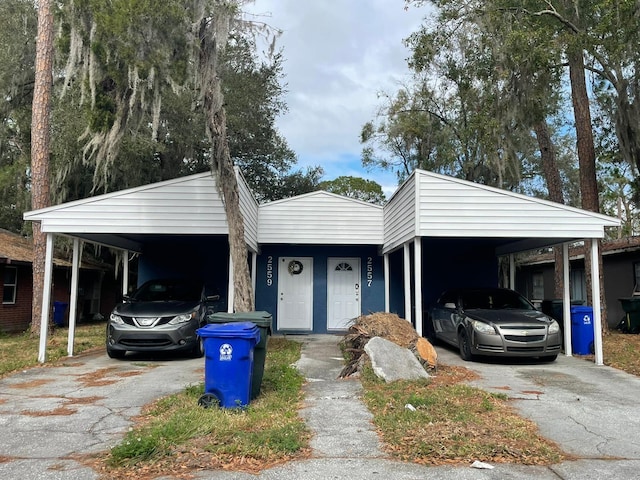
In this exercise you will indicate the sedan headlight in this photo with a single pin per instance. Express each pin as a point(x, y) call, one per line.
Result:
point(117, 319)
point(482, 327)
point(554, 327)
point(182, 318)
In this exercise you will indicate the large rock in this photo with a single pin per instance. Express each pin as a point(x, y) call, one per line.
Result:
point(392, 362)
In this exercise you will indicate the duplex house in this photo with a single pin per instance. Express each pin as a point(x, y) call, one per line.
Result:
point(319, 260)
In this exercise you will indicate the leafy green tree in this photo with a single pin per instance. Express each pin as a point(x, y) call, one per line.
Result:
point(355, 187)
point(17, 53)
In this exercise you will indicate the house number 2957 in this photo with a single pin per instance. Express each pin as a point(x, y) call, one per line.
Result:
point(269, 271)
point(369, 271)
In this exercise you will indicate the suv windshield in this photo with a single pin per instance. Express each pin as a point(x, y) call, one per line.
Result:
point(168, 290)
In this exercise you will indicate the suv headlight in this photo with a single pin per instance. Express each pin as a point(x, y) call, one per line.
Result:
point(554, 327)
point(482, 327)
point(182, 318)
point(117, 319)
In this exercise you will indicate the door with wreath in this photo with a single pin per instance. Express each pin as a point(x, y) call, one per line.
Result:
point(295, 293)
point(343, 292)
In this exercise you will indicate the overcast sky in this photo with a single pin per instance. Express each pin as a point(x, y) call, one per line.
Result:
point(339, 55)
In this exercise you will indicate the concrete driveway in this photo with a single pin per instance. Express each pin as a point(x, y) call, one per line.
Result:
point(49, 416)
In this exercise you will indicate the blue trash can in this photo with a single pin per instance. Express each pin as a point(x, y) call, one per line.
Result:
point(59, 309)
point(582, 335)
point(228, 368)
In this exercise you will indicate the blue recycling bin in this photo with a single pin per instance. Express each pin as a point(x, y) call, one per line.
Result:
point(582, 335)
point(228, 368)
point(59, 309)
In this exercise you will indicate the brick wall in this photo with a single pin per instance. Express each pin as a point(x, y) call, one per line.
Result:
point(17, 317)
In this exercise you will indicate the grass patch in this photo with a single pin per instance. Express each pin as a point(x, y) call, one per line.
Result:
point(622, 351)
point(452, 422)
point(175, 433)
point(20, 351)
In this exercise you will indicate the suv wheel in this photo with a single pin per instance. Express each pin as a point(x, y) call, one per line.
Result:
point(198, 349)
point(118, 354)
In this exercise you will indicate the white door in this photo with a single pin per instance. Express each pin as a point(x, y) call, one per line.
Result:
point(295, 293)
point(343, 292)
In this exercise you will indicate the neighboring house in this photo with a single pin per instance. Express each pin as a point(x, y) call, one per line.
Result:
point(16, 257)
point(319, 260)
point(621, 273)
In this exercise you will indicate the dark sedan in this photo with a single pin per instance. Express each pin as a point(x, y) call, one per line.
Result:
point(162, 315)
point(494, 322)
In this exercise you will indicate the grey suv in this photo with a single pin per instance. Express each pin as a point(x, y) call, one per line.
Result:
point(161, 315)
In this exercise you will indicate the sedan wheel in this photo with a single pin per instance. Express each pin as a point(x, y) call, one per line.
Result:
point(465, 346)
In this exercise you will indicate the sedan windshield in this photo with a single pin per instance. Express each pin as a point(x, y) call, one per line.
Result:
point(168, 290)
point(494, 299)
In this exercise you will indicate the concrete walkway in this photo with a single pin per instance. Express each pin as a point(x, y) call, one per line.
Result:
point(50, 415)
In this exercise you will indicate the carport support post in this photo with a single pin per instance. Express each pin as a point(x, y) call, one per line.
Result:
point(595, 295)
point(512, 271)
point(231, 294)
point(386, 282)
point(566, 300)
point(407, 283)
point(46, 300)
point(125, 272)
point(417, 248)
point(73, 301)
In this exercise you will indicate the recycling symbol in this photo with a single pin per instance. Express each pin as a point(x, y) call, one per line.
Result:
point(226, 351)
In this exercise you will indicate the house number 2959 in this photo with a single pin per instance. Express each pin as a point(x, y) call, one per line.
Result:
point(369, 271)
point(269, 271)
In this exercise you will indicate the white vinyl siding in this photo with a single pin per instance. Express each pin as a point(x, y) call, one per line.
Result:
point(249, 210)
point(321, 218)
point(400, 217)
point(450, 207)
point(184, 206)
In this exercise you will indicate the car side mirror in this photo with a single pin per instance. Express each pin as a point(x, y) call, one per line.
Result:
point(450, 305)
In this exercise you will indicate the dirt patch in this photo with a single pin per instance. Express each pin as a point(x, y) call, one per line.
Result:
point(60, 411)
point(83, 400)
point(98, 378)
point(131, 373)
point(31, 383)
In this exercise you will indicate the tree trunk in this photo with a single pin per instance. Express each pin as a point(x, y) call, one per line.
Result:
point(221, 163)
point(587, 162)
point(40, 141)
point(228, 187)
point(554, 186)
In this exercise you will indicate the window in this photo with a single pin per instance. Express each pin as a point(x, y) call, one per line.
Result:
point(10, 283)
point(636, 277)
point(343, 267)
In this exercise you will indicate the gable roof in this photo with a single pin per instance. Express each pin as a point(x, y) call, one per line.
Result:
point(188, 205)
point(434, 205)
point(425, 205)
point(320, 218)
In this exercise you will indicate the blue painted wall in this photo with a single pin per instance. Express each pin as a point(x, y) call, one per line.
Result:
point(372, 280)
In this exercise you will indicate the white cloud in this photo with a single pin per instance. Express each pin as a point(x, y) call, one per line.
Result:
point(338, 56)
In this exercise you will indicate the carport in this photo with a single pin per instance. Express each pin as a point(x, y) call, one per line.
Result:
point(152, 219)
point(447, 232)
point(434, 232)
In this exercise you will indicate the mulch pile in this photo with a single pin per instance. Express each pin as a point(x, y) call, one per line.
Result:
point(390, 327)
